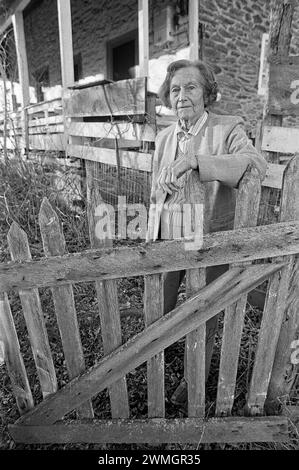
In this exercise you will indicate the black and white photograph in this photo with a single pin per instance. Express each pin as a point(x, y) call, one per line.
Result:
point(149, 231)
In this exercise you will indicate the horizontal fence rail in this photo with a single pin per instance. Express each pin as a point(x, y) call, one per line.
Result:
point(235, 246)
point(238, 248)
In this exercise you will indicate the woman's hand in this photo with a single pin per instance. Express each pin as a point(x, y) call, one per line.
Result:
point(168, 178)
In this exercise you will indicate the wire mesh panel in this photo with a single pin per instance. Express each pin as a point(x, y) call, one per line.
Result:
point(135, 185)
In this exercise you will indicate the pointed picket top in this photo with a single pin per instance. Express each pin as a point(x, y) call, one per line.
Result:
point(290, 191)
point(248, 199)
point(18, 243)
point(51, 232)
point(63, 298)
point(33, 314)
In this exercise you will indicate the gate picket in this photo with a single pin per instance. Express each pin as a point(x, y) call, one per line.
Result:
point(196, 351)
point(156, 337)
point(246, 214)
point(153, 310)
point(13, 357)
point(107, 296)
point(32, 310)
point(281, 310)
point(63, 298)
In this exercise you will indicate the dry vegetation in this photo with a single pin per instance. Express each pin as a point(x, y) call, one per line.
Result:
point(22, 187)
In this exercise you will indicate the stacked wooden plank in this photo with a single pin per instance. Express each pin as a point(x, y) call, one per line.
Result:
point(110, 123)
point(45, 126)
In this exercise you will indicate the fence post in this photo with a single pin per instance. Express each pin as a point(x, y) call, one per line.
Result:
point(107, 295)
point(246, 213)
point(284, 373)
point(279, 45)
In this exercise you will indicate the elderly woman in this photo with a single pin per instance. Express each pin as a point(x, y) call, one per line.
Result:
point(199, 159)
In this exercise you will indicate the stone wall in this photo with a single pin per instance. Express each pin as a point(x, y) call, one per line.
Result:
point(42, 39)
point(232, 33)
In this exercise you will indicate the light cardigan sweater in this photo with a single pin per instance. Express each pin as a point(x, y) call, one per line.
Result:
point(221, 148)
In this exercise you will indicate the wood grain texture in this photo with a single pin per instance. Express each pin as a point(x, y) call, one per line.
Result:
point(54, 106)
point(45, 121)
point(274, 175)
point(128, 159)
point(279, 45)
point(63, 298)
point(284, 373)
point(33, 314)
point(282, 305)
point(246, 214)
point(281, 27)
point(234, 246)
point(143, 37)
point(53, 129)
point(284, 89)
point(107, 297)
point(196, 351)
point(157, 431)
point(280, 139)
point(210, 300)
point(112, 130)
point(153, 310)
point(13, 358)
point(122, 98)
point(47, 142)
point(66, 42)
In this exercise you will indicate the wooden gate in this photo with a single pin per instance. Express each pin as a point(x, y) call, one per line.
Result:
point(277, 248)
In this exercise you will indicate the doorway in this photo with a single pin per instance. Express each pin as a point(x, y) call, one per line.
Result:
point(122, 56)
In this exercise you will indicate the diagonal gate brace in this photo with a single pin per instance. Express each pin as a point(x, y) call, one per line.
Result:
point(199, 308)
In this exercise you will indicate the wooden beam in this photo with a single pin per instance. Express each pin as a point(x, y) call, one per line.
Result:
point(112, 130)
point(18, 26)
point(143, 37)
point(232, 246)
point(17, 6)
point(284, 89)
point(246, 214)
point(279, 44)
point(66, 42)
point(123, 98)
point(285, 370)
point(199, 308)
point(281, 27)
point(135, 160)
point(193, 29)
point(188, 430)
point(107, 295)
point(153, 310)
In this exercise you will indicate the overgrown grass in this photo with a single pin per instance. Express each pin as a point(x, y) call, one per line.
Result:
point(23, 185)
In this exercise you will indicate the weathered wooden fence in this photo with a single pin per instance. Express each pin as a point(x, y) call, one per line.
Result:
point(112, 128)
point(39, 127)
point(277, 248)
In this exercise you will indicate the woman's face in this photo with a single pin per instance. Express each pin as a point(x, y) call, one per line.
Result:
point(186, 94)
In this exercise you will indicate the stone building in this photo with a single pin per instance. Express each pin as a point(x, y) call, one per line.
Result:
point(105, 45)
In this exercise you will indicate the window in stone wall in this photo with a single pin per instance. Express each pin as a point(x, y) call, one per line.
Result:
point(41, 81)
point(122, 56)
point(78, 73)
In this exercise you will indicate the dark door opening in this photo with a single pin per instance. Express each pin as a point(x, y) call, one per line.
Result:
point(122, 57)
